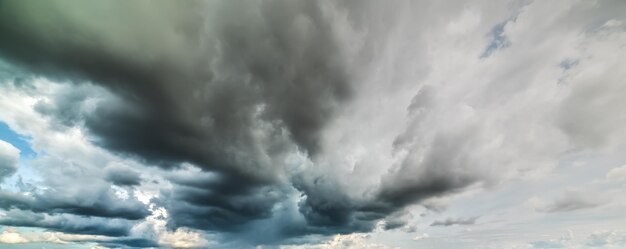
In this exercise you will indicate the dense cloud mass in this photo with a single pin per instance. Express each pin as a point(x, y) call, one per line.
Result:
point(226, 94)
point(278, 123)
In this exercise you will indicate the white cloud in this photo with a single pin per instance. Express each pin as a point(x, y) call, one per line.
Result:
point(421, 236)
point(182, 238)
point(11, 236)
point(155, 226)
point(617, 174)
point(9, 157)
point(347, 241)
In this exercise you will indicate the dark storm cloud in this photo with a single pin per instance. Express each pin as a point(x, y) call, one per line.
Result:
point(440, 172)
point(67, 223)
point(328, 209)
point(455, 221)
point(103, 206)
point(122, 176)
point(339, 213)
point(277, 60)
point(194, 82)
point(398, 220)
point(218, 203)
point(325, 203)
point(230, 87)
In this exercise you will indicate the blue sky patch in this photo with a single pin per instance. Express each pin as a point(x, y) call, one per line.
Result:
point(498, 40)
point(20, 142)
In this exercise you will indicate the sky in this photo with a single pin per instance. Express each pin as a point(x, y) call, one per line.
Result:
point(282, 124)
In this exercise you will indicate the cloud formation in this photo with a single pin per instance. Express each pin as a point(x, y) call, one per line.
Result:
point(237, 124)
point(230, 95)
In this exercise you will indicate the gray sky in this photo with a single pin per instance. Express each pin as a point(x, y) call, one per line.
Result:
point(302, 124)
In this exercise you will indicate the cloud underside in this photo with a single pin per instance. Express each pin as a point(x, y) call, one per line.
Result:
point(455, 221)
point(242, 110)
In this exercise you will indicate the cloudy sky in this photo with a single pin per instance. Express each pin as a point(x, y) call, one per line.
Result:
point(313, 124)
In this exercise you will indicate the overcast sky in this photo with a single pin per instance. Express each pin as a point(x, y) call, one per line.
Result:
point(313, 124)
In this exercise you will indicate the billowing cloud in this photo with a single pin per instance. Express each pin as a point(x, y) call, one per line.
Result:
point(230, 95)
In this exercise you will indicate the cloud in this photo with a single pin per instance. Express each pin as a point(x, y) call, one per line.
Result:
point(597, 239)
point(67, 223)
point(617, 174)
point(421, 236)
point(606, 239)
point(129, 243)
point(547, 244)
point(122, 176)
point(182, 238)
point(254, 87)
point(569, 200)
point(213, 202)
point(105, 205)
point(240, 78)
point(398, 220)
point(9, 157)
point(455, 221)
point(351, 241)
point(155, 226)
point(12, 237)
